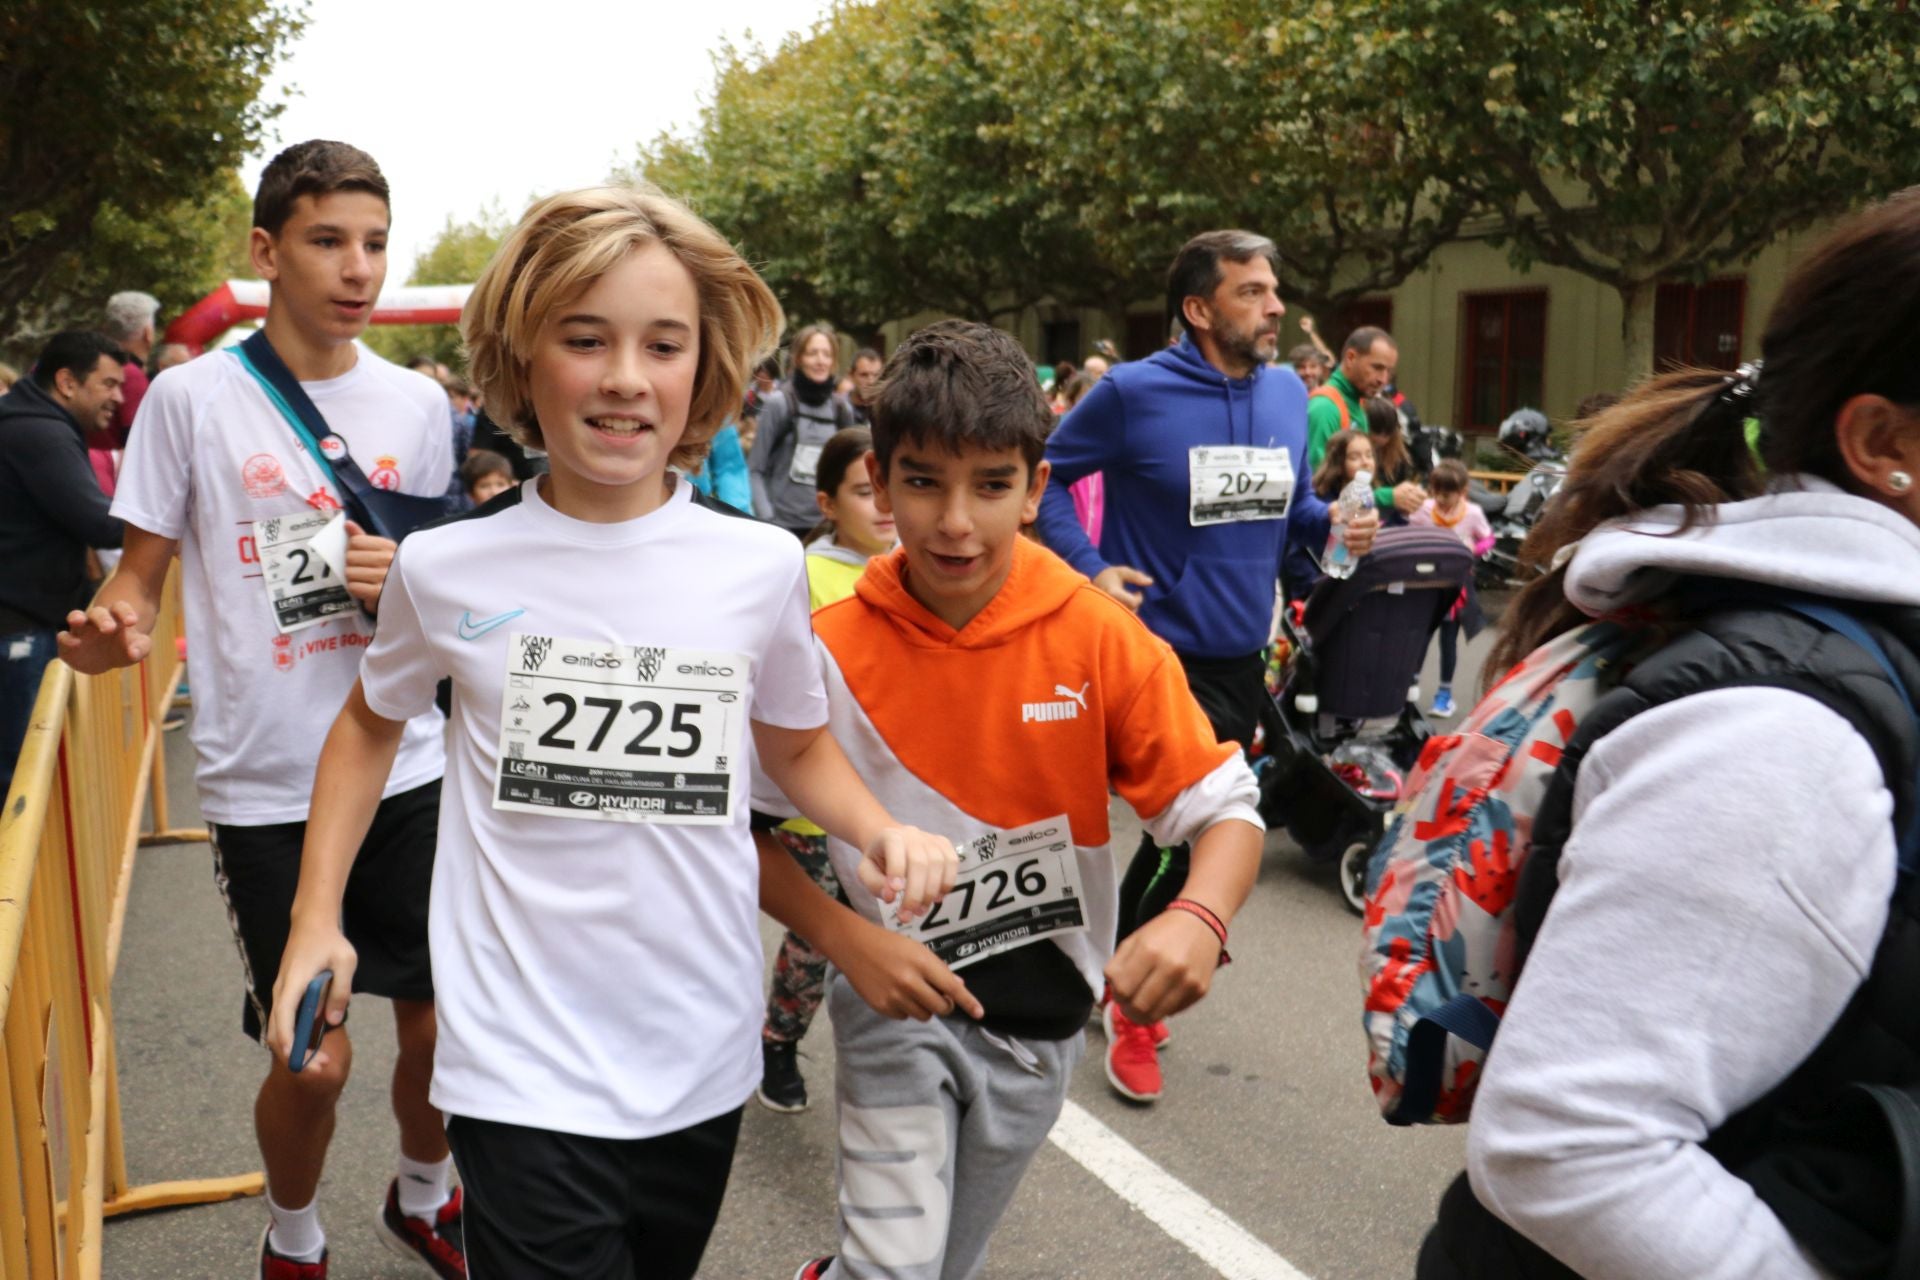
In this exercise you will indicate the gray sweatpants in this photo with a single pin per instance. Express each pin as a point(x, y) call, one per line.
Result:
point(938, 1122)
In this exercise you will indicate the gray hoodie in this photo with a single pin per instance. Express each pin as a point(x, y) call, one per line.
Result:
point(1720, 900)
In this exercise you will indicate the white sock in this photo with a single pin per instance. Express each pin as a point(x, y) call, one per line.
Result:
point(296, 1233)
point(425, 1186)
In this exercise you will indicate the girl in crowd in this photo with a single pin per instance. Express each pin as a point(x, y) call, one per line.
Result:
point(795, 424)
point(484, 474)
point(852, 530)
point(1063, 375)
point(1449, 509)
point(1348, 454)
point(1703, 1066)
point(1396, 487)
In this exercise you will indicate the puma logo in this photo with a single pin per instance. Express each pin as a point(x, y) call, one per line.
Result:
point(1070, 709)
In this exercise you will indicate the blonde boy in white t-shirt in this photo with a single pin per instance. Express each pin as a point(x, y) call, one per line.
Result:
point(612, 642)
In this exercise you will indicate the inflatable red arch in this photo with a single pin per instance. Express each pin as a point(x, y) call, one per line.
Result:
point(238, 300)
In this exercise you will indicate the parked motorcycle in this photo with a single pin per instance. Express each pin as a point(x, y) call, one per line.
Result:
point(1513, 514)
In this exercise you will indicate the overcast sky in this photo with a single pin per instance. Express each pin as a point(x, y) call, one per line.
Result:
point(466, 103)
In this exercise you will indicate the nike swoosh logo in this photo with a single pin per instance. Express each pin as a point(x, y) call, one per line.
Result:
point(471, 630)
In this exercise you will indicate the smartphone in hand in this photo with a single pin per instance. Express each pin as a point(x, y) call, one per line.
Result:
point(310, 1023)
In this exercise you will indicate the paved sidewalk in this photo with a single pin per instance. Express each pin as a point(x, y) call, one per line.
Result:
point(1267, 1116)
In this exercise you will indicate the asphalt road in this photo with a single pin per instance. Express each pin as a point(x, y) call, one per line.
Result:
point(1267, 1117)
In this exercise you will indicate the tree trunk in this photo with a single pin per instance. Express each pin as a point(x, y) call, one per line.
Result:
point(1636, 329)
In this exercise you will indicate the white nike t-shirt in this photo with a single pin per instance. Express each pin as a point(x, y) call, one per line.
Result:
point(594, 975)
point(207, 457)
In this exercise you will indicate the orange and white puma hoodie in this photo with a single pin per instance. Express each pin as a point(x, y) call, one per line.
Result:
point(1053, 694)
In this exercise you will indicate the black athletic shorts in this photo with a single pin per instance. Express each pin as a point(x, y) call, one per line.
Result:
point(542, 1205)
point(384, 911)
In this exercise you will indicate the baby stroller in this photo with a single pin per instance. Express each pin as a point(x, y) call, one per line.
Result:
point(1349, 725)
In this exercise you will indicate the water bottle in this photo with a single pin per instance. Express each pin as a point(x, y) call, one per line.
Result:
point(1355, 498)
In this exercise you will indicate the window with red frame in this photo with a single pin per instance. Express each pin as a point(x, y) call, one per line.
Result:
point(1364, 313)
point(1699, 325)
point(1505, 356)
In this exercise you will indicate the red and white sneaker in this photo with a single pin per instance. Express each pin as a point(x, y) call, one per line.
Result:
point(274, 1266)
point(439, 1245)
point(1133, 1063)
point(1161, 1033)
point(814, 1270)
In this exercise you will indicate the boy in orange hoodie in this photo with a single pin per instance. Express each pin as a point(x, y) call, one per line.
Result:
point(985, 690)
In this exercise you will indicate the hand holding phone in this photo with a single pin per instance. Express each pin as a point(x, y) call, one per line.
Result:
point(314, 953)
point(310, 1023)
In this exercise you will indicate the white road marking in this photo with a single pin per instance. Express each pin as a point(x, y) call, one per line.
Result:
point(1170, 1204)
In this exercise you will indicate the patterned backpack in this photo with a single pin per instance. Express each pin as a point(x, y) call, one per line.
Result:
point(1443, 942)
point(1438, 965)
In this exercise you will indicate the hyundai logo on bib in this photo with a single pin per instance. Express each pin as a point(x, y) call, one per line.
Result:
point(583, 799)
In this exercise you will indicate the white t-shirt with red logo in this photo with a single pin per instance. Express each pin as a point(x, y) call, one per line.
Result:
point(208, 456)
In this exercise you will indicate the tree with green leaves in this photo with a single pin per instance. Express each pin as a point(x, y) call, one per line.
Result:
point(455, 256)
point(120, 130)
point(979, 156)
point(1638, 143)
point(176, 252)
point(1153, 122)
point(865, 168)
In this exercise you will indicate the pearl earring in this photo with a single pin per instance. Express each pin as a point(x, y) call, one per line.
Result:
point(1899, 481)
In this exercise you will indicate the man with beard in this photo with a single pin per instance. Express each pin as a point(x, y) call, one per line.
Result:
point(51, 511)
point(1367, 362)
point(867, 364)
point(1203, 446)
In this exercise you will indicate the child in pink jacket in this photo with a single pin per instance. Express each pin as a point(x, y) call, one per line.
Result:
point(1449, 509)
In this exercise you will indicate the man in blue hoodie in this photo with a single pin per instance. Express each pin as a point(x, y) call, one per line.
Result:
point(1203, 446)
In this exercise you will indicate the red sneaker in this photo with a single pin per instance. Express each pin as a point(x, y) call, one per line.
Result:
point(275, 1267)
point(1161, 1034)
point(438, 1246)
point(1133, 1063)
point(814, 1270)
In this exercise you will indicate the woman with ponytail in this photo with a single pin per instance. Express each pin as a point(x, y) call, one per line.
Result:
point(1711, 1060)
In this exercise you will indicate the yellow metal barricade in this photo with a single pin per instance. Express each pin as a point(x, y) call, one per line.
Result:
point(1498, 481)
point(89, 771)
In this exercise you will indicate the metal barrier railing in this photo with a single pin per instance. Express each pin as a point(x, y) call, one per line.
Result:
point(90, 770)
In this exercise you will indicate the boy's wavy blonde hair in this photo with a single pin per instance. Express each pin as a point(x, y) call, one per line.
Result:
point(568, 241)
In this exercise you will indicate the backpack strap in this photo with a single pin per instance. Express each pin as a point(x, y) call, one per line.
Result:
point(390, 515)
point(1552, 822)
point(1833, 619)
point(1465, 1017)
point(1325, 392)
